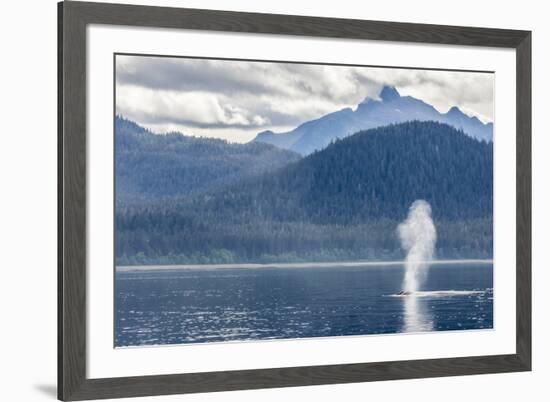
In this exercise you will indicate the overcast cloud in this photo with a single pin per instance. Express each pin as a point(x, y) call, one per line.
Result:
point(235, 100)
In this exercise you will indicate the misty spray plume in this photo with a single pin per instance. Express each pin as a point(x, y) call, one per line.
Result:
point(418, 236)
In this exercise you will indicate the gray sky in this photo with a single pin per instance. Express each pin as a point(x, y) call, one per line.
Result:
point(235, 100)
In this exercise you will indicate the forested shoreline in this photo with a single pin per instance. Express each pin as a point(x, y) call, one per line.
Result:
point(339, 204)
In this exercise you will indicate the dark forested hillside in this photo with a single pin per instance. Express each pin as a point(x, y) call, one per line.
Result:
point(374, 174)
point(344, 202)
point(151, 166)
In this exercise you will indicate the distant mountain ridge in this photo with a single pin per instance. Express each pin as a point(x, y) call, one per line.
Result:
point(152, 166)
point(391, 108)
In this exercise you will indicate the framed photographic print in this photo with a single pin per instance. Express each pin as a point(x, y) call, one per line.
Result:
point(255, 201)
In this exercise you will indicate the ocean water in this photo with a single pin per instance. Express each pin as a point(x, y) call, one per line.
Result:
point(159, 307)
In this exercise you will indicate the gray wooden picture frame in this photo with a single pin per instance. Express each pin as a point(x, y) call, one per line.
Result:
point(73, 18)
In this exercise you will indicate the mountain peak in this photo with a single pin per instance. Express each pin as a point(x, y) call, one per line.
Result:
point(454, 110)
point(389, 107)
point(389, 93)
